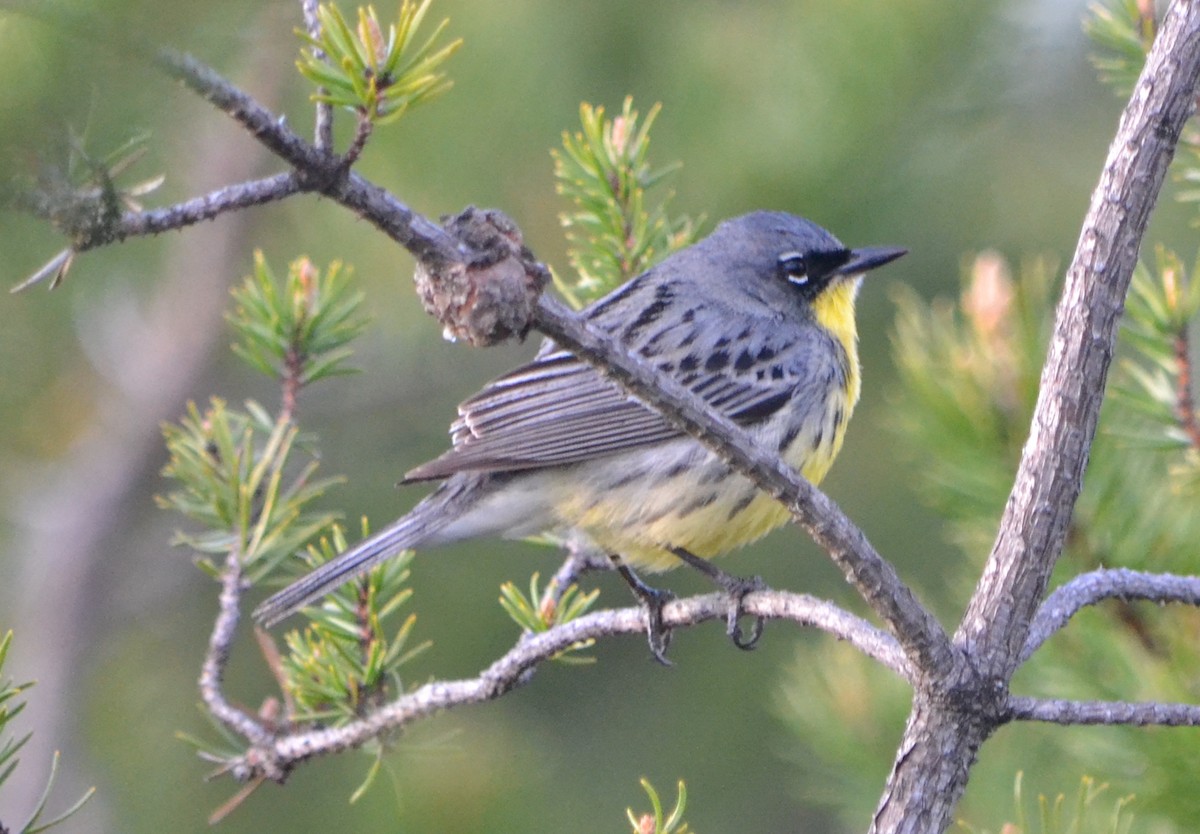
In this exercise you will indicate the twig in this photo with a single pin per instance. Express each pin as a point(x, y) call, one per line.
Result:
point(207, 206)
point(318, 170)
point(1133, 714)
point(275, 758)
point(315, 170)
point(582, 558)
point(426, 240)
point(323, 127)
point(217, 655)
point(1107, 583)
point(362, 132)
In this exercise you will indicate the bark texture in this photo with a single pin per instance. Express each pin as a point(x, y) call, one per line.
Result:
point(953, 714)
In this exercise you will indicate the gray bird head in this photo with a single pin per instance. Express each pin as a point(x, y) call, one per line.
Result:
point(787, 251)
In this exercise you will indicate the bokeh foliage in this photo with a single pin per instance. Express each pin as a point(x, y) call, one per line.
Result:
point(968, 381)
point(917, 122)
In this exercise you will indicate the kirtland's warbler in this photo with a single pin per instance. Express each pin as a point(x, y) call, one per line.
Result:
point(757, 319)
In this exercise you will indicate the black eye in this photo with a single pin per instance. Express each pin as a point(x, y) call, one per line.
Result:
point(795, 267)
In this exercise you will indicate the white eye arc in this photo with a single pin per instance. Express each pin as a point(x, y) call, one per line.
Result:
point(795, 267)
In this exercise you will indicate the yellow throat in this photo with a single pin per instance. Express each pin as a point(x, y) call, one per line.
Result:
point(834, 310)
point(637, 520)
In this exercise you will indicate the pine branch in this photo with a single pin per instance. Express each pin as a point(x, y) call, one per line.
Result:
point(274, 758)
point(216, 657)
point(207, 206)
point(1096, 586)
point(932, 763)
point(1122, 713)
point(268, 129)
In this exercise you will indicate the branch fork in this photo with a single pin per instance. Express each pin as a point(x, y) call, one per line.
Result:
point(472, 268)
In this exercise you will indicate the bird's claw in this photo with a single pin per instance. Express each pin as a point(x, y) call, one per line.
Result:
point(657, 634)
point(652, 601)
point(737, 588)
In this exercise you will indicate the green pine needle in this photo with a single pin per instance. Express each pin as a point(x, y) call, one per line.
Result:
point(376, 75)
point(613, 230)
point(299, 326)
point(1123, 36)
point(654, 823)
point(1082, 815)
point(9, 747)
point(348, 657)
point(541, 611)
point(234, 477)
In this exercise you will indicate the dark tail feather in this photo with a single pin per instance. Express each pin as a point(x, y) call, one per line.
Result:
point(410, 531)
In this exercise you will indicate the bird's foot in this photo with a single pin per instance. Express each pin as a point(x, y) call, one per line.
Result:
point(736, 588)
point(652, 601)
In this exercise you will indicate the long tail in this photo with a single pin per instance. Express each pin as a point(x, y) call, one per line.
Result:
point(413, 530)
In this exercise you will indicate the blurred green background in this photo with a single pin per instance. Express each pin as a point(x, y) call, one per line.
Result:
point(943, 127)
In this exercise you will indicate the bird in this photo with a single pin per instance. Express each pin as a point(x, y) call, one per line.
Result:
point(757, 320)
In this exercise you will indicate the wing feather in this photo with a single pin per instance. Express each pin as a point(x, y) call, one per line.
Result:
point(558, 410)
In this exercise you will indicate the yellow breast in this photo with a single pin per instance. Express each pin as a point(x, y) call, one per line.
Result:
point(702, 507)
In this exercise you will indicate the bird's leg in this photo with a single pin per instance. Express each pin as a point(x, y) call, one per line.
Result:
point(652, 600)
point(736, 587)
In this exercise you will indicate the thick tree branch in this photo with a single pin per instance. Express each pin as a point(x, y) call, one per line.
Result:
point(1034, 524)
point(1137, 714)
point(941, 741)
point(1107, 583)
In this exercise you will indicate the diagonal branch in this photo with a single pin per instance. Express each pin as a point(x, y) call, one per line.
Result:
point(924, 642)
point(1050, 475)
point(1096, 586)
point(259, 122)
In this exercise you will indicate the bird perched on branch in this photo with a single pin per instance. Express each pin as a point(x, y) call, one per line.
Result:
point(757, 320)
